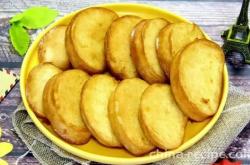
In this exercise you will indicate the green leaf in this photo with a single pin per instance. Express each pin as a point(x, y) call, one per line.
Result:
point(38, 17)
point(16, 18)
point(19, 38)
point(32, 18)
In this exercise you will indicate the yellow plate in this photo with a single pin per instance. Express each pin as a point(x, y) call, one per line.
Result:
point(93, 150)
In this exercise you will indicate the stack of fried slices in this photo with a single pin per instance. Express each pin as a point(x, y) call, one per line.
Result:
point(125, 81)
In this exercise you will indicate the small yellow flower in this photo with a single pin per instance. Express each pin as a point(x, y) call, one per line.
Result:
point(3, 162)
point(5, 148)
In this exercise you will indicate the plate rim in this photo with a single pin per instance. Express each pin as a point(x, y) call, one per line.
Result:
point(108, 159)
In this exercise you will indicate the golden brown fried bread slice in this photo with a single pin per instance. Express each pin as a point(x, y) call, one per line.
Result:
point(94, 108)
point(172, 39)
point(36, 82)
point(87, 33)
point(117, 47)
point(136, 45)
point(64, 107)
point(196, 79)
point(144, 50)
point(47, 99)
point(123, 114)
point(52, 48)
point(70, 48)
point(160, 117)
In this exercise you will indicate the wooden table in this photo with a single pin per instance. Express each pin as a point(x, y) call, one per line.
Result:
point(213, 16)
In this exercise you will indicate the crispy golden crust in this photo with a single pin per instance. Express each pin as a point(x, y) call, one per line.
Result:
point(136, 46)
point(172, 38)
point(143, 47)
point(94, 108)
point(123, 114)
point(36, 82)
point(198, 95)
point(117, 47)
point(86, 33)
point(64, 107)
point(52, 48)
point(164, 125)
point(48, 103)
point(74, 59)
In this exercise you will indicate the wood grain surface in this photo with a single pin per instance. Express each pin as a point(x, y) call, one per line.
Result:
point(213, 16)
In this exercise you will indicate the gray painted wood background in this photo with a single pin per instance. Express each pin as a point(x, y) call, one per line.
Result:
point(213, 16)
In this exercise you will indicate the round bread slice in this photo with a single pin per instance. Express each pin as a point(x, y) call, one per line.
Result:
point(64, 114)
point(172, 39)
point(117, 47)
point(87, 33)
point(144, 50)
point(123, 114)
point(52, 48)
point(164, 125)
point(94, 108)
point(197, 77)
point(48, 102)
point(70, 48)
point(35, 84)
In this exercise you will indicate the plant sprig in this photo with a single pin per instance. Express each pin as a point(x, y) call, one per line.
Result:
point(32, 18)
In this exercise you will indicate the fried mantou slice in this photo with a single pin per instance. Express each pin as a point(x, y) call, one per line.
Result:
point(52, 48)
point(173, 38)
point(123, 114)
point(143, 47)
point(197, 77)
point(64, 114)
point(86, 34)
point(164, 126)
point(117, 47)
point(48, 102)
point(70, 48)
point(94, 108)
point(35, 84)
